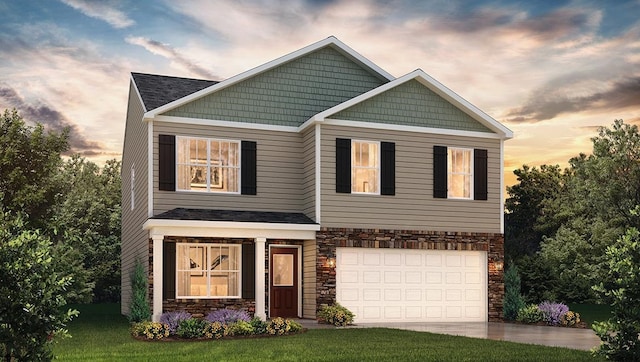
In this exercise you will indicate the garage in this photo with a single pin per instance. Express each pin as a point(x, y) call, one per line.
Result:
point(408, 285)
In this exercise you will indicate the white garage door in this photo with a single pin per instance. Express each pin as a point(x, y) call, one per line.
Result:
point(393, 285)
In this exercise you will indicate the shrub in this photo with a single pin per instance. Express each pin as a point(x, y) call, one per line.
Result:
point(191, 328)
point(529, 314)
point(278, 326)
point(552, 312)
point(150, 330)
point(240, 328)
point(215, 330)
point(294, 326)
point(513, 300)
point(139, 308)
point(227, 316)
point(336, 315)
point(570, 319)
point(259, 326)
point(172, 319)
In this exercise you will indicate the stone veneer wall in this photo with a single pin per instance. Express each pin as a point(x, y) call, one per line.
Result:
point(328, 239)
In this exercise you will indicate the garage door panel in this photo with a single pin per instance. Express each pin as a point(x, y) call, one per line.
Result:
point(412, 285)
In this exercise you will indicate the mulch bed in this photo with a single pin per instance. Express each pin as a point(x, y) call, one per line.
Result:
point(226, 338)
point(577, 325)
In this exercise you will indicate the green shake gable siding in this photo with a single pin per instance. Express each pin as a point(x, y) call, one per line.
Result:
point(411, 104)
point(287, 95)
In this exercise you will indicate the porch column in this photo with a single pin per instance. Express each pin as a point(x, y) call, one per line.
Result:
point(260, 287)
point(157, 277)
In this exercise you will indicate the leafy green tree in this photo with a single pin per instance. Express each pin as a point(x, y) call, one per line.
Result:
point(537, 279)
point(513, 300)
point(621, 289)
point(32, 293)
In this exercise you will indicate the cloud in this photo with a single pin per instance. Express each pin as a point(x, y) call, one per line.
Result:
point(102, 10)
point(50, 118)
point(548, 103)
point(172, 54)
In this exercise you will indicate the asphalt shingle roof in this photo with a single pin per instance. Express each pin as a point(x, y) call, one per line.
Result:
point(235, 215)
point(158, 90)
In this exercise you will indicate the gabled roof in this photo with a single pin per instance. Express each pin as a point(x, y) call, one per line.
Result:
point(158, 90)
point(330, 41)
point(433, 85)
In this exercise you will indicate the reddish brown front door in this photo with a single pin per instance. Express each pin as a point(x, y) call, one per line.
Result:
point(283, 282)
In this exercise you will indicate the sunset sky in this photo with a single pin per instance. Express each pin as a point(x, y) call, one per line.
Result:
point(552, 71)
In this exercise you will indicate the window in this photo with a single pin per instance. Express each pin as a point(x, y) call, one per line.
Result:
point(133, 182)
point(459, 173)
point(365, 167)
point(208, 270)
point(208, 165)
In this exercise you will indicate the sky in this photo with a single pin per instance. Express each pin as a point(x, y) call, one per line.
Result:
point(551, 71)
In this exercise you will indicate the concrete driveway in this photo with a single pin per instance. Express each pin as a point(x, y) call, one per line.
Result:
point(574, 338)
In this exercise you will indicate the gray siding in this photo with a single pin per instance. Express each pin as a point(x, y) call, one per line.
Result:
point(287, 95)
point(309, 279)
point(279, 171)
point(411, 104)
point(135, 242)
point(309, 167)
point(413, 207)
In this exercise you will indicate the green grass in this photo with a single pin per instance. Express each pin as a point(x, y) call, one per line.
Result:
point(590, 313)
point(101, 334)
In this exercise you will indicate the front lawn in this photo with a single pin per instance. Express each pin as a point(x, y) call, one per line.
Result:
point(101, 334)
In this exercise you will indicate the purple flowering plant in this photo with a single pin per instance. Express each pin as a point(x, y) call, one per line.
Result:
point(552, 312)
point(227, 316)
point(173, 319)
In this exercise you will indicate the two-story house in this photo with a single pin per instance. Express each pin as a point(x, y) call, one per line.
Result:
point(315, 178)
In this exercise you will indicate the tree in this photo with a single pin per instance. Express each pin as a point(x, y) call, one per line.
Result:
point(513, 300)
point(32, 293)
point(621, 289)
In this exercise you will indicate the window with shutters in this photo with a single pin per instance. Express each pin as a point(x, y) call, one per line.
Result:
point(208, 165)
point(208, 270)
point(460, 173)
point(365, 167)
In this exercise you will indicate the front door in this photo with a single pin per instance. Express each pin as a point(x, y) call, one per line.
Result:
point(283, 282)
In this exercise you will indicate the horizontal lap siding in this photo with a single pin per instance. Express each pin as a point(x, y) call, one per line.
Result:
point(413, 207)
point(309, 279)
point(279, 171)
point(134, 239)
point(309, 165)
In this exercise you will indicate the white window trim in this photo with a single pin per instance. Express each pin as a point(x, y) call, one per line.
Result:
point(353, 141)
point(209, 190)
point(208, 246)
point(132, 176)
point(471, 176)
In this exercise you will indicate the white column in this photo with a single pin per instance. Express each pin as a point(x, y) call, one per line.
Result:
point(157, 277)
point(260, 287)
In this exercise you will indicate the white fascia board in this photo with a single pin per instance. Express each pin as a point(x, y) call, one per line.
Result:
point(500, 130)
point(230, 229)
point(330, 41)
point(221, 123)
point(415, 129)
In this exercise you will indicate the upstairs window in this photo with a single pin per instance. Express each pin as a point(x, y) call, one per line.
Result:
point(460, 173)
point(365, 167)
point(208, 165)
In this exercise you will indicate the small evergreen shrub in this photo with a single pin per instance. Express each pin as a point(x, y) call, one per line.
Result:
point(570, 319)
point(552, 312)
point(278, 326)
point(529, 314)
point(139, 307)
point(150, 330)
point(215, 330)
point(336, 315)
point(259, 326)
point(240, 328)
point(227, 316)
point(513, 300)
point(173, 319)
point(294, 326)
point(191, 328)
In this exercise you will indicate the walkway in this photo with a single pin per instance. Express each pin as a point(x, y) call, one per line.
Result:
point(574, 338)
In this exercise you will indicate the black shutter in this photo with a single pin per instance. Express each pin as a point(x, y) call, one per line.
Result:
point(388, 168)
point(167, 162)
point(248, 166)
point(343, 165)
point(248, 271)
point(479, 174)
point(169, 271)
point(440, 172)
